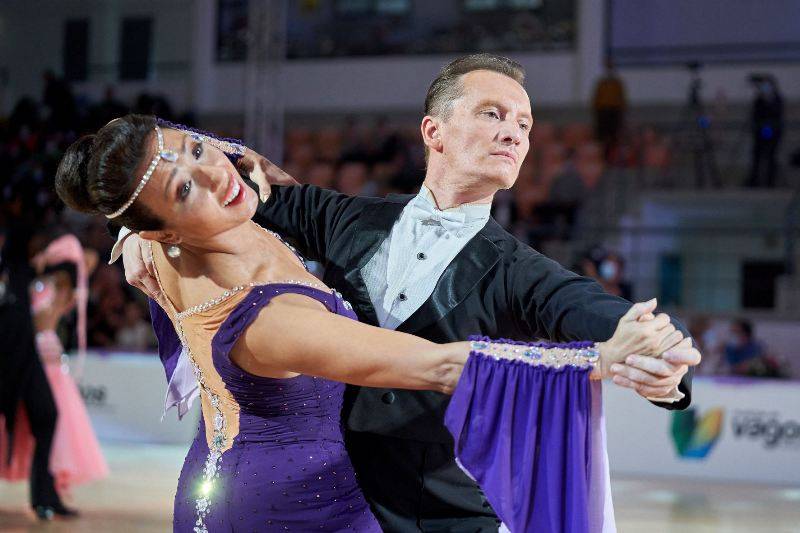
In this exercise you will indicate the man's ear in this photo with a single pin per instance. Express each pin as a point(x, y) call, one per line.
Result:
point(431, 133)
point(165, 236)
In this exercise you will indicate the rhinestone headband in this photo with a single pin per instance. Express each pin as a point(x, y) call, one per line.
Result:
point(233, 148)
point(161, 153)
point(227, 147)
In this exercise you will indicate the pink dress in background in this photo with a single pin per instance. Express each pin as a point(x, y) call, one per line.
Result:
point(76, 457)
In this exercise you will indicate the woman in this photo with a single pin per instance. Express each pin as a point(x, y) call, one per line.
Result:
point(269, 452)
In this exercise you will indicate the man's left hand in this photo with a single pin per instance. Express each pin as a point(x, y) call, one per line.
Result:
point(656, 377)
point(263, 172)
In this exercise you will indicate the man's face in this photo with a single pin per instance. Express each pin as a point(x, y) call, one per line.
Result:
point(485, 138)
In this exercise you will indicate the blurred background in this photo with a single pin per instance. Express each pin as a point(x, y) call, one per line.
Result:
point(665, 162)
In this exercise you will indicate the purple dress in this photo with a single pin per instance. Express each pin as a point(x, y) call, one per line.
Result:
point(269, 454)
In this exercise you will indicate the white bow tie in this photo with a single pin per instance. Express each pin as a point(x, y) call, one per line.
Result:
point(452, 221)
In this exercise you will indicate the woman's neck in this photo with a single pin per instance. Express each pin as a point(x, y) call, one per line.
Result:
point(228, 258)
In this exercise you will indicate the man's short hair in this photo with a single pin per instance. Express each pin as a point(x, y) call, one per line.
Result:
point(447, 86)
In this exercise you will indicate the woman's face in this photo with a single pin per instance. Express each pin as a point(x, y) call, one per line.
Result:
point(200, 195)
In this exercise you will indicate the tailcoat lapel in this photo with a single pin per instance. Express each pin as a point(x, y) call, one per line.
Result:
point(471, 264)
point(372, 228)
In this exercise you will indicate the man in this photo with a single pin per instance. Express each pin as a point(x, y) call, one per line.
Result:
point(436, 265)
point(22, 377)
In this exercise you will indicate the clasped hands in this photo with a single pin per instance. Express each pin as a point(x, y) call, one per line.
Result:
point(646, 353)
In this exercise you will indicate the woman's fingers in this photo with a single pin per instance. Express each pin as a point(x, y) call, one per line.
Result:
point(657, 367)
point(639, 309)
point(645, 378)
point(648, 391)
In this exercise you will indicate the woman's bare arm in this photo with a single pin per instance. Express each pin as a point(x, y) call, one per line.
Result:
point(294, 333)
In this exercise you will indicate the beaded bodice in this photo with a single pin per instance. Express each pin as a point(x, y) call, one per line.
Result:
point(242, 408)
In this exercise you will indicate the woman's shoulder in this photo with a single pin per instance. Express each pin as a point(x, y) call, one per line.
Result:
point(182, 292)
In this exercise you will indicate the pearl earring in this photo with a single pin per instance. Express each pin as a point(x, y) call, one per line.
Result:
point(173, 251)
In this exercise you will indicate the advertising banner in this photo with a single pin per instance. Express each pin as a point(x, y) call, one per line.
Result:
point(124, 394)
point(736, 429)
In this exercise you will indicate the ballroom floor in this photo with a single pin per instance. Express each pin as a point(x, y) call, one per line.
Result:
point(137, 498)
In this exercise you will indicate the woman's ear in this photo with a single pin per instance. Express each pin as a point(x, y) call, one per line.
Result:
point(165, 236)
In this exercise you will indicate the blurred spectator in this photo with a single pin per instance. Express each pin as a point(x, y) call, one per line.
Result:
point(609, 108)
point(135, 332)
point(301, 153)
point(352, 179)
point(767, 130)
point(322, 175)
point(329, 144)
point(656, 156)
point(147, 104)
point(106, 110)
point(608, 269)
point(706, 338)
point(106, 306)
point(747, 356)
point(60, 104)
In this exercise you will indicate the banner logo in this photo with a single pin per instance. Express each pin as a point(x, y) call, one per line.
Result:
point(694, 437)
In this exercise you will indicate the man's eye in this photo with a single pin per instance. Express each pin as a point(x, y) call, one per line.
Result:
point(492, 114)
point(198, 150)
point(185, 190)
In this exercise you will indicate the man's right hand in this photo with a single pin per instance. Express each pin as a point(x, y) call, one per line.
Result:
point(137, 258)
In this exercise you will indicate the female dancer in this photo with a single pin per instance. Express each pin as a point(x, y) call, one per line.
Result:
point(269, 454)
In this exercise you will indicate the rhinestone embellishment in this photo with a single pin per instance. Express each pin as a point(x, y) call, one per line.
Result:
point(230, 292)
point(555, 357)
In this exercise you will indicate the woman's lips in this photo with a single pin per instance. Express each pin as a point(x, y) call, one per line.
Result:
point(234, 194)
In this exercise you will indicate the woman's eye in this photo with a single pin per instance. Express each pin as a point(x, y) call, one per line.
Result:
point(524, 126)
point(184, 190)
point(198, 150)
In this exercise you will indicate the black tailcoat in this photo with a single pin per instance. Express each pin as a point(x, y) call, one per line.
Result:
point(496, 286)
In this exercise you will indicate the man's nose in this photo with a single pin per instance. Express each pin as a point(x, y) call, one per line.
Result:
point(510, 133)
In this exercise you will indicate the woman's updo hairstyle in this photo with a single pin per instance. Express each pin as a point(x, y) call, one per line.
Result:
point(98, 173)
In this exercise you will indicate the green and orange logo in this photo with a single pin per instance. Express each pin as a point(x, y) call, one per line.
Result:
point(694, 437)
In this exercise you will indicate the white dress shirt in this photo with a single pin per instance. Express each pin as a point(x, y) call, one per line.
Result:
point(424, 240)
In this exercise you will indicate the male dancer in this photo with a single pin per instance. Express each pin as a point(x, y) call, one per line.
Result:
point(22, 376)
point(438, 266)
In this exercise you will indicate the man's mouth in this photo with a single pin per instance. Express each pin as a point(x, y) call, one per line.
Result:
point(509, 155)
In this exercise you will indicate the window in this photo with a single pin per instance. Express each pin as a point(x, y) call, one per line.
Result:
point(76, 50)
point(135, 50)
point(373, 7)
point(232, 30)
point(491, 5)
point(758, 283)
